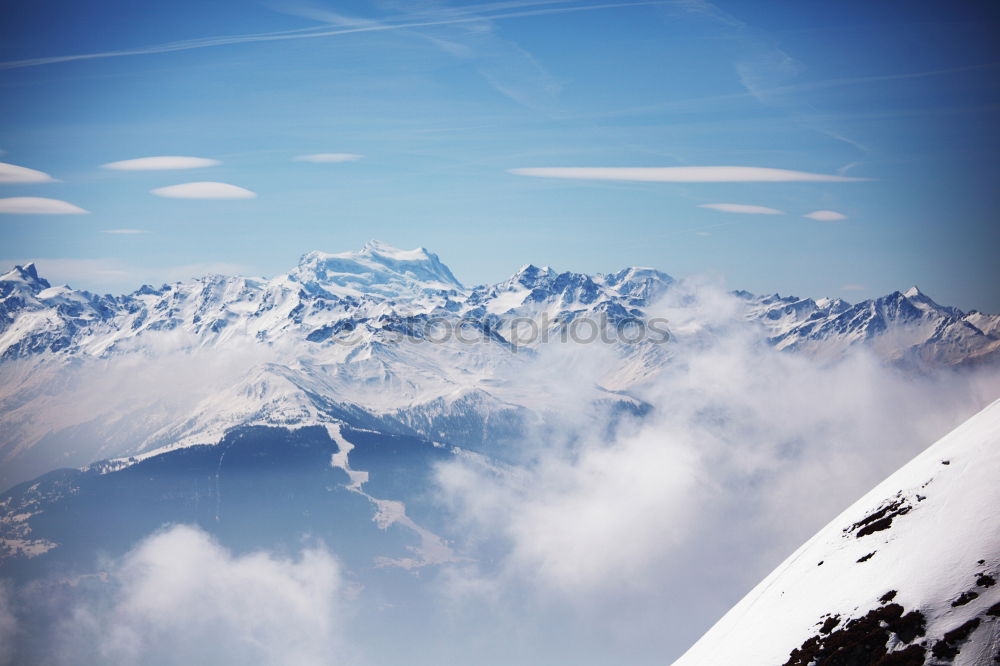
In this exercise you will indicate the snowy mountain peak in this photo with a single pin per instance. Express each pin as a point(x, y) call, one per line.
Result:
point(827, 303)
point(26, 275)
point(924, 302)
point(637, 273)
point(19, 289)
point(375, 247)
point(639, 282)
point(28, 270)
point(529, 274)
point(378, 268)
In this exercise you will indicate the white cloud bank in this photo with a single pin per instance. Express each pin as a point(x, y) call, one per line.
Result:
point(38, 206)
point(329, 157)
point(826, 216)
point(611, 548)
point(742, 208)
point(12, 173)
point(204, 190)
point(181, 598)
point(698, 174)
point(161, 163)
point(645, 538)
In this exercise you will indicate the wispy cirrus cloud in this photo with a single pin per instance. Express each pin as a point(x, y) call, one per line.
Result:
point(747, 209)
point(825, 216)
point(770, 74)
point(38, 206)
point(827, 84)
point(700, 103)
point(439, 10)
point(315, 33)
point(161, 163)
point(328, 157)
point(687, 174)
point(12, 173)
point(204, 190)
point(468, 33)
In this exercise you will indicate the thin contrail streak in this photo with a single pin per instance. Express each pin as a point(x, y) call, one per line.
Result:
point(307, 33)
point(836, 83)
point(807, 86)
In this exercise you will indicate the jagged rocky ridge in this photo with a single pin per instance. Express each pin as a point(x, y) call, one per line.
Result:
point(905, 327)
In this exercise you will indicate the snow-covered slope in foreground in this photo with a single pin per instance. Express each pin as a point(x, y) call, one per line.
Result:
point(907, 575)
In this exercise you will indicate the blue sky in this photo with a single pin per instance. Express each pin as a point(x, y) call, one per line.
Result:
point(441, 103)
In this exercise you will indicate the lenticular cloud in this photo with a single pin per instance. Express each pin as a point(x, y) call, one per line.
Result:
point(12, 173)
point(38, 206)
point(161, 163)
point(826, 216)
point(695, 174)
point(204, 190)
point(742, 208)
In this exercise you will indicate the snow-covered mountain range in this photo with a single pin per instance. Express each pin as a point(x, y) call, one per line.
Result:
point(381, 289)
point(907, 575)
point(382, 338)
point(377, 291)
point(906, 327)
